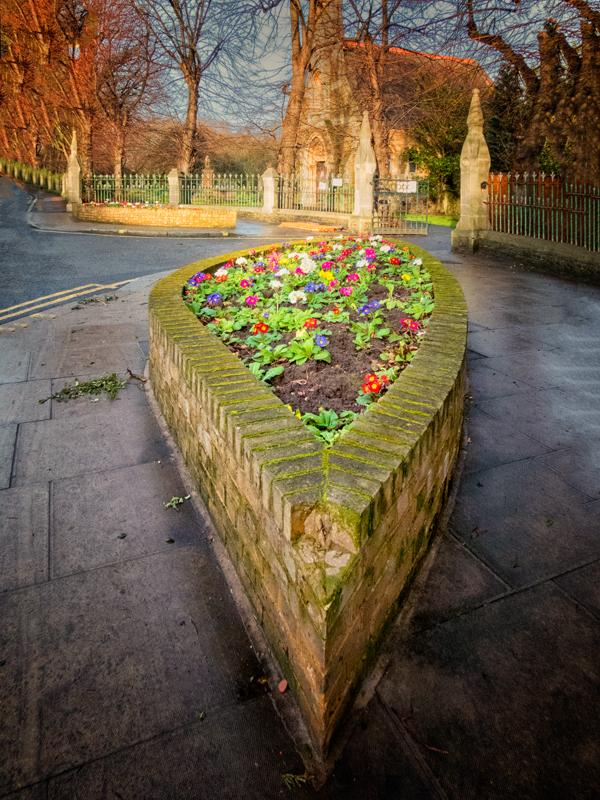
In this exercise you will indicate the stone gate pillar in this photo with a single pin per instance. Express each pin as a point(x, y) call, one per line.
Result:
point(73, 177)
point(174, 184)
point(365, 165)
point(474, 176)
point(270, 179)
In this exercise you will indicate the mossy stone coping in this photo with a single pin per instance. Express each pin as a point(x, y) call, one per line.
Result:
point(325, 541)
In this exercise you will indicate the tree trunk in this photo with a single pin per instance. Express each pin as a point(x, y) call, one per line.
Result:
point(291, 123)
point(188, 143)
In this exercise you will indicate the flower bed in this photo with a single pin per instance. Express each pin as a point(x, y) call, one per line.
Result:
point(329, 325)
point(325, 539)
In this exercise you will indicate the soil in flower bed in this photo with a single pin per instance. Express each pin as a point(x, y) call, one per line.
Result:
point(317, 384)
point(327, 326)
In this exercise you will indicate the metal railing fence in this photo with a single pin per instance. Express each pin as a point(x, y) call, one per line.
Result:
point(135, 188)
point(545, 207)
point(335, 193)
point(210, 188)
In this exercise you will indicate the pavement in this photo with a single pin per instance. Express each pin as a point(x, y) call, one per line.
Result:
point(126, 667)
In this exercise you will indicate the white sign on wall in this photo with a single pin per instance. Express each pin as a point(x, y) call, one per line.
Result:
point(322, 186)
point(336, 181)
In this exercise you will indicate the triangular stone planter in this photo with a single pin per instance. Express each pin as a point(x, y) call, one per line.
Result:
point(325, 541)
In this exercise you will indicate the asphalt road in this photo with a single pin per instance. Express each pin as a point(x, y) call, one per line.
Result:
point(35, 264)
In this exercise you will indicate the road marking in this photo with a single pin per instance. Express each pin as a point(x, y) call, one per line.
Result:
point(60, 297)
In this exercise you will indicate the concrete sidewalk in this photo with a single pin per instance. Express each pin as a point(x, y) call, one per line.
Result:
point(125, 669)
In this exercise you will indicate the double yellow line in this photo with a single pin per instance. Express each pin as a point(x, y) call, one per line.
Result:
point(59, 297)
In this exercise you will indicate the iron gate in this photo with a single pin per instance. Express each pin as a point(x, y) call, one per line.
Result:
point(400, 205)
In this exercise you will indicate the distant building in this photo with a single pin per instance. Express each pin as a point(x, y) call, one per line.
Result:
point(338, 91)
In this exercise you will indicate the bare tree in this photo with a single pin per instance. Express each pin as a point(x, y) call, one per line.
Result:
point(306, 25)
point(127, 75)
point(192, 35)
point(561, 80)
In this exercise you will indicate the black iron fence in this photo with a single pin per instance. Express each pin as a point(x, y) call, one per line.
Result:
point(545, 207)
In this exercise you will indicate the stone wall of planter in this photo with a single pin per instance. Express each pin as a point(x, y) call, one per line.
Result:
point(200, 217)
point(325, 541)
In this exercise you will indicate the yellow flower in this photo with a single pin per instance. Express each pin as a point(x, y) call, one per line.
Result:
point(327, 276)
point(406, 277)
point(298, 414)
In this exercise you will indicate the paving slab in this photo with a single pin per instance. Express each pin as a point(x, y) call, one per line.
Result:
point(486, 382)
point(63, 448)
point(508, 697)
point(91, 513)
point(554, 417)
point(8, 440)
point(501, 342)
point(454, 582)
point(579, 465)
point(14, 362)
point(196, 761)
point(525, 522)
point(23, 536)
point(102, 660)
point(493, 442)
point(583, 585)
point(20, 402)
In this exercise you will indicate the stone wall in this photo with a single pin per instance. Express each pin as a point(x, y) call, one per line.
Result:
point(325, 541)
point(538, 255)
point(192, 217)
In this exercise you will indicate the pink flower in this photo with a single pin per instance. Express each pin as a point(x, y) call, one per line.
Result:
point(251, 300)
point(245, 283)
point(353, 277)
point(369, 252)
point(332, 285)
point(346, 291)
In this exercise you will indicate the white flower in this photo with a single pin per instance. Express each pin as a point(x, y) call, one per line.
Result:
point(293, 255)
point(282, 271)
point(309, 238)
point(339, 237)
point(337, 247)
point(362, 263)
point(308, 266)
point(385, 248)
point(220, 272)
point(417, 262)
point(361, 252)
point(375, 238)
point(241, 260)
point(294, 297)
point(275, 284)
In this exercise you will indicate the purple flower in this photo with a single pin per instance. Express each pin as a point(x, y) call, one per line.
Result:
point(321, 341)
point(373, 305)
point(214, 298)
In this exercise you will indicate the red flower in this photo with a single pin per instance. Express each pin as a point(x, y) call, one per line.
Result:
point(221, 278)
point(311, 323)
point(336, 310)
point(394, 260)
point(260, 327)
point(259, 269)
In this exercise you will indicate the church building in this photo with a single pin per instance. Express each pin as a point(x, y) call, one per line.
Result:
point(338, 91)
